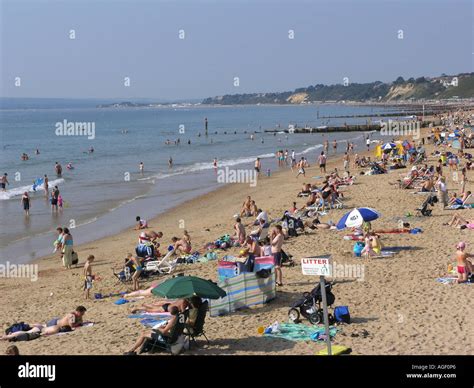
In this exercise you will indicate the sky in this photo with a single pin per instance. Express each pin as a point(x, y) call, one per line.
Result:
point(139, 41)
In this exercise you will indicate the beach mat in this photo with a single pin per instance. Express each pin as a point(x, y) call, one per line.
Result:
point(150, 316)
point(301, 332)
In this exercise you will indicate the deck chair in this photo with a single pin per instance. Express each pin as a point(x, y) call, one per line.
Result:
point(467, 204)
point(152, 345)
point(162, 265)
point(198, 329)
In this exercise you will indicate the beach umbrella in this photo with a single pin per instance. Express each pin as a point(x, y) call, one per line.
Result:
point(388, 146)
point(356, 217)
point(187, 286)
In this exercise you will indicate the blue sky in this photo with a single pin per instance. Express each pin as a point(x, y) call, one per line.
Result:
point(224, 39)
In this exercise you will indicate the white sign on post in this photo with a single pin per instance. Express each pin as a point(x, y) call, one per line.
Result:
point(317, 266)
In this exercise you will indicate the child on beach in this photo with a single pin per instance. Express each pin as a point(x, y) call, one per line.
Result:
point(88, 277)
point(464, 266)
point(60, 202)
point(141, 224)
point(239, 231)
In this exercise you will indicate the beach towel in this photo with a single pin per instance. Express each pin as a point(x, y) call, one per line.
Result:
point(301, 332)
point(85, 324)
point(153, 323)
point(146, 315)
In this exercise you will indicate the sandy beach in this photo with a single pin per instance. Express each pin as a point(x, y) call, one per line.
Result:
point(399, 304)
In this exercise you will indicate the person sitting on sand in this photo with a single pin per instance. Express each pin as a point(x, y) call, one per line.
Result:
point(141, 224)
point(163, 306)
point(246, 208)
point(427, 185)
point(36, 328)
point(252, 248)
point(239, 229)
point(266, 247)
point(464, 266)
point(373, 246)
point(253, 209)
point(153, 334)
point(183, 246)
point(305, 190)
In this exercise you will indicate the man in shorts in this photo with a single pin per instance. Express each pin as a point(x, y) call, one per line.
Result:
point(322, 162)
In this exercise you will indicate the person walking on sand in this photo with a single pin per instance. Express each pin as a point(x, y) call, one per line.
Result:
point(67, 243)
point(277, 242)
point(442, 192)
point(88, 277)
point(258, 166)
point(346, 160)
point(301, 170)
point(367, 142)
point(464, 266)
point(4, 182)
point(322, 162)
point(25, 200)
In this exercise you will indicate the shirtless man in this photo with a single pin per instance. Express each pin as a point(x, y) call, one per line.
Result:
point(277, 243)
point(183, 246)
point(464, 266)
point(73, 319)
point(59, 169)
point(246, 207)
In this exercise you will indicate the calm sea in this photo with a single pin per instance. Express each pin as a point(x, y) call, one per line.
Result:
point(105, 190)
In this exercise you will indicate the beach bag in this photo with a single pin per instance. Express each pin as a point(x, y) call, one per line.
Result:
point(75, 258)
point(358, 247)
point(264, 273)
point(21, 326)
point(341, 314)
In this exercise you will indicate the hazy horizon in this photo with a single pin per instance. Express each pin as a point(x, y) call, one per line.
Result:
point(249, 40)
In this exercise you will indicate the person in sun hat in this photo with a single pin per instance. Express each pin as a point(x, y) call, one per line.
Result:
point(464, 265)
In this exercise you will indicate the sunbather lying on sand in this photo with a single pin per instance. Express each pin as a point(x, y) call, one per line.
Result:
point(146, 292)
point(458, 221)
point(464, 266)
point(316, 224)
point(163, 306)
point(37, 328)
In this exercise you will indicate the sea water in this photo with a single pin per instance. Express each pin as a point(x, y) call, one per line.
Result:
point(105, 190)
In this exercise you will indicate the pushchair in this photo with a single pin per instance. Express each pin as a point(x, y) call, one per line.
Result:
point(423, 210)
point(309, 306)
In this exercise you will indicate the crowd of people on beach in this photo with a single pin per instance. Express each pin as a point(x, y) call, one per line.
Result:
point(256, 235)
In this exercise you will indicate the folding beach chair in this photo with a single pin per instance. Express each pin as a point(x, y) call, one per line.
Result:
point(198, 329)
point(151, 345)
point(162, 265)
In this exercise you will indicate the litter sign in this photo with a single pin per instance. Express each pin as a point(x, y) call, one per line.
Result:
point(316, 266)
